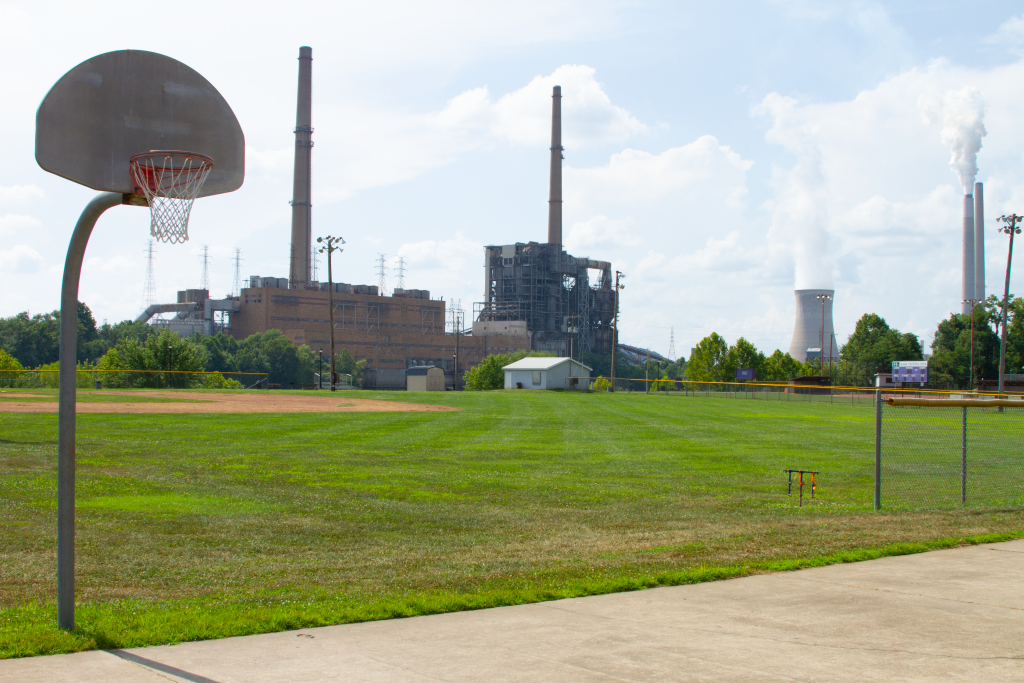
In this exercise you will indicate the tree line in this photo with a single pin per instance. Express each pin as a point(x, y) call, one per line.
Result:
point(32, 342)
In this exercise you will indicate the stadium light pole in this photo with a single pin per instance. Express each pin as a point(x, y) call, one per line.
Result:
point(170, 350)
point(1010, 229)
point(821, 348)
point(615, 326)
point(973, 303)
point(329, 248)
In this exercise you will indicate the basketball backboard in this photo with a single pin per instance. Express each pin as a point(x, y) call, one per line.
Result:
point(122, 103)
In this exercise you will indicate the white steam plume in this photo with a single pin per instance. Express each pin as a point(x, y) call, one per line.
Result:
point(962, 114)
point(800, 221)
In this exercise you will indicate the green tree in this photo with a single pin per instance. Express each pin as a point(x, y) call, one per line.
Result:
point(488, 375)
point(8, 363)
point(708, 360)
point(781, 367)
point(744, 354)
point(950, 364)
point(873, 347)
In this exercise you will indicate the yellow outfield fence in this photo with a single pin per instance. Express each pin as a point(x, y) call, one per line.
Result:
point(782, 390)
point(86, 377)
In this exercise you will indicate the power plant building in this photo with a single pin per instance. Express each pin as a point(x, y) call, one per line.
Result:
point(562, 306)
point(536, 296)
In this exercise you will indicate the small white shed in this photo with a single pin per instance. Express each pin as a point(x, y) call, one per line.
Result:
point(543, 373)
point(424, 378)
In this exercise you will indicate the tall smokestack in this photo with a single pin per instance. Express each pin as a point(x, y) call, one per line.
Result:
point(979, 242)
point(555, 197)
point(302, 237)
point(968, 286)
point(808, 331)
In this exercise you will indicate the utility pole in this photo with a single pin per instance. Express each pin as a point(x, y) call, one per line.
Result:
point(236, 288)
point(971, 304)
point(401, 272)
point(381, 277)
point(647, 373)
point(615, 325)
point(204, 281)
point(329, 249)
point(149, 292)
point(457, 328)
point(821, 358)
point(1010, 229)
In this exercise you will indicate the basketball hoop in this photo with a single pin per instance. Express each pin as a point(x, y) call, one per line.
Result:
point(170, 180)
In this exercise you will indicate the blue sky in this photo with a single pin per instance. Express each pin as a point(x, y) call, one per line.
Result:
point(717, 153)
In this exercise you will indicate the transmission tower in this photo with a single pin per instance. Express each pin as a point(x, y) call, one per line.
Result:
point(204, 283)
point(149, 290)
point(236, 287)
point(401, 272)
point(382, 279)
point(314, 260)
point(672, 345)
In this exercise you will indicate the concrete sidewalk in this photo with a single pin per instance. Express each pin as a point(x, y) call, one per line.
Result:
point(948, 615)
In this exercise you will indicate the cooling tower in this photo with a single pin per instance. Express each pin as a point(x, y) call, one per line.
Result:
point(968, 285)
point(807, 332)
point(302, 237)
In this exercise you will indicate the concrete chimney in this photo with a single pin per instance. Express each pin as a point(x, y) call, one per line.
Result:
point(968, 284)
point(979, 242)
point(302, 225)
point(807, 331)
point(555, 197)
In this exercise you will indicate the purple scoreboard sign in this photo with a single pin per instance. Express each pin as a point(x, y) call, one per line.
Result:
point(910, 371)
point(745, 373)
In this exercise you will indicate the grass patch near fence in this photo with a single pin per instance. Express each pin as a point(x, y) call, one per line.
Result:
point(206, 525)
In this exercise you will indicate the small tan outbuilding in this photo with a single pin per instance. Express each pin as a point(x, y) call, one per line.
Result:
point(424, 378)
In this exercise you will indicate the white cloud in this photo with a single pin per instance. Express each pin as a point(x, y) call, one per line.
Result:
point(13, 224)
point(20, 259)
point(524, 116)
point(1010, 34)
point(600, 231)
point(20, 194)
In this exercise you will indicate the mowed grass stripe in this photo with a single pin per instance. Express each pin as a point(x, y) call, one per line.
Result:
point(211, 525)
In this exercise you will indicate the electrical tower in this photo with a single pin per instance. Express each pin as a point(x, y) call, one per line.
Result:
point(204, 283)
point(672, 345)
point(236, 287)
point(381, 276)
point(401, 272)
point(314, 260)
point(149, 290)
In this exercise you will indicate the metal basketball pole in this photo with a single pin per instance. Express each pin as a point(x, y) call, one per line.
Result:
point(68, 356)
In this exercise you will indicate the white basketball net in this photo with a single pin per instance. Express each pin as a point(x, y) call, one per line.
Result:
point(170, 181)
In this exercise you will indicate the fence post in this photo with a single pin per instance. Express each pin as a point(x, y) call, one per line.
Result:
point(963, 458)
point(878, 449)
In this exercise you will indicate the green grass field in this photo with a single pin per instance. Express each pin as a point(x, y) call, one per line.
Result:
point(203, 526)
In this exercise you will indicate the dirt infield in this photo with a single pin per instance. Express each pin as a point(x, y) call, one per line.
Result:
point(227, 402)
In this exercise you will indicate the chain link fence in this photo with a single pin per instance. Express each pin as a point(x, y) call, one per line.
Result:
point(941, 453)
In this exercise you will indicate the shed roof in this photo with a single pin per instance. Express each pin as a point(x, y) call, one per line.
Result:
point(541, 363)
point(419, 369)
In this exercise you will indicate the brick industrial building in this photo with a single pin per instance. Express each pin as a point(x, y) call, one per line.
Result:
point(391, 332)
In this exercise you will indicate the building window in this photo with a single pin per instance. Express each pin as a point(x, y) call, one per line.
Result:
point(536, 379)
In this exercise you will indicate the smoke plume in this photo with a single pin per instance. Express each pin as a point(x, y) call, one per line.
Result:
point(962, 114)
